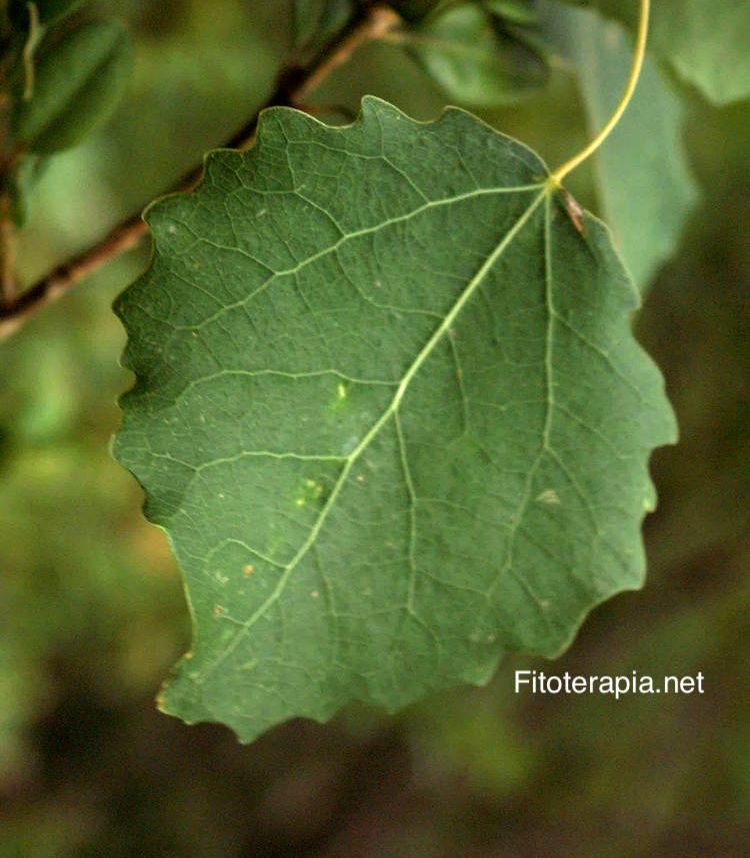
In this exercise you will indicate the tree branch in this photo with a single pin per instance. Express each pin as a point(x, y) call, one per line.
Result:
point(292, 86)
point(7, 275)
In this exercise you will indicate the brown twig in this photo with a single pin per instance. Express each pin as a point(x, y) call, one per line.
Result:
point(379, 21)
point(292, 87)
point(7, 269)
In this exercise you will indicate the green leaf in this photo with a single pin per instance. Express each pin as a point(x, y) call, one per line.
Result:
point(34, 35)
point(319, 20)
point(50, 11)
point(389, 410)
point(644, 184)
point(473, 60)
point(78, 83)
point(21, 183)
point(705, 41)
point(414, 10)
point(515, 11)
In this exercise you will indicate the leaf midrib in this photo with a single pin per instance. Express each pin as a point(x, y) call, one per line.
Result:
point(390, 411)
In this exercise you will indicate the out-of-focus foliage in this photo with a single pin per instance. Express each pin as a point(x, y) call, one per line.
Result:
point(705, 41)
point(78, 80)
point(476, 56)
point(59, 79)
point(91, 610)
point(317, 21)
point(644, 196)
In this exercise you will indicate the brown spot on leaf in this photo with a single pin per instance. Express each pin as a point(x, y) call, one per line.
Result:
point(575, 211)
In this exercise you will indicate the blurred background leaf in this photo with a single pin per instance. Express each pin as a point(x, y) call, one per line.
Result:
point(705, 41)
point(473, 56)
point(317, 21)
point(80, 76)
point(644, 196)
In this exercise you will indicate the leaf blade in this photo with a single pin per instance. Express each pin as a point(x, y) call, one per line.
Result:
point(326, 489)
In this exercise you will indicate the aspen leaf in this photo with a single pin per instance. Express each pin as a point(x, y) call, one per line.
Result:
point(389, 410)
point(414, 10)
point(705, 41)
point(643, 180)
point(474, 59)
point(515, 11)
point(78, 82)
point(315, 21)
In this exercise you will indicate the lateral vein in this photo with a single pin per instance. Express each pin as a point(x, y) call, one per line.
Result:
point(374, 430)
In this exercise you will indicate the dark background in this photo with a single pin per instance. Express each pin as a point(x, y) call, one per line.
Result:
point(91, 607)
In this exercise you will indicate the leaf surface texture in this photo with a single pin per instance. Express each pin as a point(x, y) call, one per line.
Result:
point(389, 410)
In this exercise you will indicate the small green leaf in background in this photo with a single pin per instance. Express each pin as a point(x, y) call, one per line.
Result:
point(50, 11)
point(643, 181)
point(414, 10)
point(516, 11)
point(389, 410)
point(316, 21)
point(21, 182)
point(473, 58)
point(705, 41)
point(79, 79)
